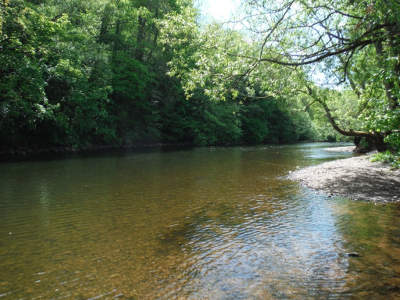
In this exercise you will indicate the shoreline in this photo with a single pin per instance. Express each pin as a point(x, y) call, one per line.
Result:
point(60, 152)
point(356, 178)
point(27, 154)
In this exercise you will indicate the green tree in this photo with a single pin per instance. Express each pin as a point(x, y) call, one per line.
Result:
point(344, 36)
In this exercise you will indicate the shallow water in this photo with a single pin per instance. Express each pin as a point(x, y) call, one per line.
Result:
point(205, 223)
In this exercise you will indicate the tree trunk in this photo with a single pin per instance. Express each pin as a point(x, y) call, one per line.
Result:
point(139, 53)
point(373, 140)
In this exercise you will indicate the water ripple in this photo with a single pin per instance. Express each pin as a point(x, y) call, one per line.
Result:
point(195, 224)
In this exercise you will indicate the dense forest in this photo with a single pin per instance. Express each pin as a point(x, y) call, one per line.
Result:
point(81, 74)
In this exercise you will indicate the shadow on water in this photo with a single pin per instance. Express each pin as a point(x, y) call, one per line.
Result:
point(372, 231)
point(217, 223)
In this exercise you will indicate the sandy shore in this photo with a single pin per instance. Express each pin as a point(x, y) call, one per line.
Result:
point(357, 178)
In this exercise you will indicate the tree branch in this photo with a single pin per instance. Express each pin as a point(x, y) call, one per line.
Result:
point(360, 44)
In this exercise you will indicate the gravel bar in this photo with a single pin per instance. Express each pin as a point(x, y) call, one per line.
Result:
point(356, 178)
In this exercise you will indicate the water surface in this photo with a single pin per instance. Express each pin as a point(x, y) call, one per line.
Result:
point(205, 223)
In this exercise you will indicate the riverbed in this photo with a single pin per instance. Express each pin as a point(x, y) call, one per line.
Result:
point(202, 223)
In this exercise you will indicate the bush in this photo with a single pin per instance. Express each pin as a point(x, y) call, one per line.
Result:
point(388, 157)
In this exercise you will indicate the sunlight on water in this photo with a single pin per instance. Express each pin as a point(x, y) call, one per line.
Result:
point(217, 223)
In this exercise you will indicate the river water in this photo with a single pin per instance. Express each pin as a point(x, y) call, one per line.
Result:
point(203, 223)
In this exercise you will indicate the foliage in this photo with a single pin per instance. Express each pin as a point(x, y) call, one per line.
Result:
point(132, 72)
point(388, 157)
point(355, 42)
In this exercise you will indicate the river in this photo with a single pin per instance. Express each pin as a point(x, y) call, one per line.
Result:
point(202, 223)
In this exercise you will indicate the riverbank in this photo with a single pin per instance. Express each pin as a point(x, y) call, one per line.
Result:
point(24, 154)
point(356, 178)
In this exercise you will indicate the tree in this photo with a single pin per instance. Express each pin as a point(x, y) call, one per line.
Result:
point(78, 74)
point(26, 39)
point(213, 62)
point(343, 35)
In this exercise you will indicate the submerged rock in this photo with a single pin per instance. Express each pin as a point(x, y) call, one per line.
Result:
point(353, 254)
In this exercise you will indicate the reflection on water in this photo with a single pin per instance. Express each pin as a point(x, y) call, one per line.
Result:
point(217, 223)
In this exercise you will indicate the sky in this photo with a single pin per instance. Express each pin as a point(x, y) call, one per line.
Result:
point(219, 10)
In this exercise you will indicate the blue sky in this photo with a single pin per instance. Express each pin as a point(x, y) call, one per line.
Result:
point(220, 10)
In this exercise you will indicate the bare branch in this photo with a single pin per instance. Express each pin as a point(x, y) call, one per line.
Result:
point(274, 28)
point(318, 58)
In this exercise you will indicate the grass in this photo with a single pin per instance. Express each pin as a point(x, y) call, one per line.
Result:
point(388, 157)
